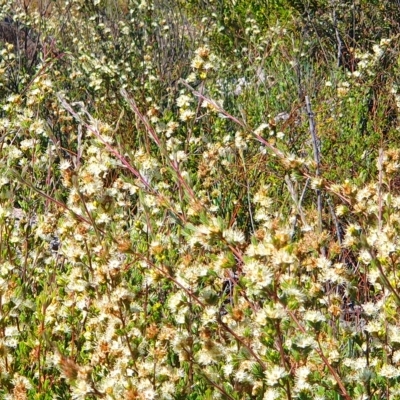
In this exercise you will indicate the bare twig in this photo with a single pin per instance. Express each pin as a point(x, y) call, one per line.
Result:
point(316, 150)
point(337, 34)
point(380, 169)
point(153, 134)
point(336, 221)
point(295, 199)
point(16, 175)
point(323, 357)
point(275, 151)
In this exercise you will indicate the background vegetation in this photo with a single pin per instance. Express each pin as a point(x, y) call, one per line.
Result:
point(199, 199)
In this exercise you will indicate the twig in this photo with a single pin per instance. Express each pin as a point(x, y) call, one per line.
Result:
point(296, 201)
point(337, 34)
point(49, 198)
point(153, 134)
point(213, 103)
point(316, 150)
point(380, 206)
point(241, 341)
point(276, 152)
point(323, 357)
point(335, 220)
point(92, 128)
point(218, 387)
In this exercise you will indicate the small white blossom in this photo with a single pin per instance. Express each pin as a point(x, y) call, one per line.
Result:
point(273, 375)
point(389, 371)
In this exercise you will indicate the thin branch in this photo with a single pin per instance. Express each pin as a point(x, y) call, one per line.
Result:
point(51, 199)
point(92, 128)
point(323, 357)
point(335, 220)
point(295, 199)
point(218, 387)
point(316, 150)
point(380, 183)
point(240, 340)
point(337, 34)
point(153, 134)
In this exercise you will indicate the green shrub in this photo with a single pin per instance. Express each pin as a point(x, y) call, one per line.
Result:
point(200, 200)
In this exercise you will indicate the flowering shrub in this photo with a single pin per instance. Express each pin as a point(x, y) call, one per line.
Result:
point(177, 225)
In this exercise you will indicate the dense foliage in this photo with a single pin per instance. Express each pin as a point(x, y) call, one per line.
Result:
point(199, 199)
